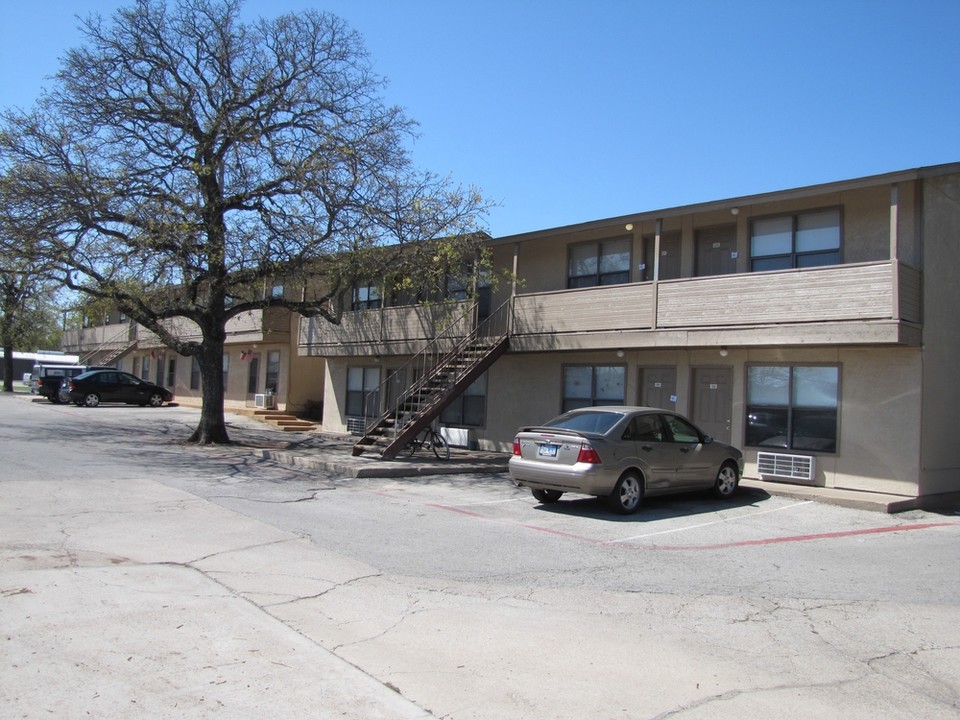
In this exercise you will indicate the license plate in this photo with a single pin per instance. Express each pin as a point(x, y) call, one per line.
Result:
point(548, 450)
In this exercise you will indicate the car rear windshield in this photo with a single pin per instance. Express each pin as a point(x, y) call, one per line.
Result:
point(593, 422)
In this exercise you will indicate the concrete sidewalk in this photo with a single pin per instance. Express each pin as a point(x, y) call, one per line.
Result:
point(144, 601)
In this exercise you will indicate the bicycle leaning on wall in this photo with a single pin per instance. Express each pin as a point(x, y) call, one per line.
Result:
point(431, 439)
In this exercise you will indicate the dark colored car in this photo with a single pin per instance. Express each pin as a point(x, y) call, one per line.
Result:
point(97, 386)
point(622, 453)
point(49, 379)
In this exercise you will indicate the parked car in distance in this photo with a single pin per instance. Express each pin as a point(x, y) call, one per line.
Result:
point(47, 379)
point(623, 453)
point(113, 386)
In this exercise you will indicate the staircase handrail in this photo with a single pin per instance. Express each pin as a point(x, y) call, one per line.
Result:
point(432, 350)
point(111, 342)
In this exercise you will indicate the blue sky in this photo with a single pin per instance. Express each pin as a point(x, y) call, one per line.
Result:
point(566, 112)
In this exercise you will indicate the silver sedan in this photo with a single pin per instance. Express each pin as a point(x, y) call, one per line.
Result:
point(622, 453)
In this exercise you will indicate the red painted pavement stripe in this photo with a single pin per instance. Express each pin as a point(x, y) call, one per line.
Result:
point(806, 538)
point(721, 546)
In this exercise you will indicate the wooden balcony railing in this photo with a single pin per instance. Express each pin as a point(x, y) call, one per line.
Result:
point(876, 291)
point(864, 291)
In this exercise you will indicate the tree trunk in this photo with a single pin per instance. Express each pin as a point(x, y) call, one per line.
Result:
point(212, 429)
point(8, 368)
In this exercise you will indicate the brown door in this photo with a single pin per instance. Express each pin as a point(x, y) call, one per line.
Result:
point(253, 374)
point(658, 388)
point(716, 250)
point(712, 401)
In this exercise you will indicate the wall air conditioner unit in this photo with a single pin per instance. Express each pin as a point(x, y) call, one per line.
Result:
point(264, 401)
point(780, 466)
point(356, 426)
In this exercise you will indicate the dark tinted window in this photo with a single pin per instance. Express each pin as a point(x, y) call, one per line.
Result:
point(595, 422)
point(645, 427)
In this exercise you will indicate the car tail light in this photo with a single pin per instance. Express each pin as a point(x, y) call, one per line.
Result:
point(516, 446)
point(588, 455)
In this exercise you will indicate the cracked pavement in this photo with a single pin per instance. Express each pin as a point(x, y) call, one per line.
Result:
point(206, 581)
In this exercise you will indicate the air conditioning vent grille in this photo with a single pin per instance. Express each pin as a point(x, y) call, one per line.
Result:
point(780, 466)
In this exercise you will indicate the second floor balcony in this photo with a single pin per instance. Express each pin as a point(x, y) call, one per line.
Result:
point(268, 325)
point(862, 303)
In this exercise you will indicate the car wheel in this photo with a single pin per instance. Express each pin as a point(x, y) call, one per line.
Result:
point(627, 494)
point(155, 400)
point(727, 481)
point(64, 396)
point(546, 496)
point(54, 397)
point(91, 399)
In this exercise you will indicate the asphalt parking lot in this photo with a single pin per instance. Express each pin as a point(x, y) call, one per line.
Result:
point(460, 594)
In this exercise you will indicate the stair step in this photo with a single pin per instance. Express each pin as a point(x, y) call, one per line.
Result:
point(284, 421)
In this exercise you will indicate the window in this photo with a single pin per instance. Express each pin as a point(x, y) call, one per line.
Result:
point(145, 367)
point(273, 370)
point(276, 291)
point(644, 428)
point(171, 372)
point(194, 373)
point(253, 373)
point(793, 407)
point(600, 263)
point(226, 370)
point(468, 410)
point(680, 430)
point(363, 396)
point(366, 297)
point(585, 386)
point(795, 241)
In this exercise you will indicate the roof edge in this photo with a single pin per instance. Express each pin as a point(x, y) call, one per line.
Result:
point(727, 203)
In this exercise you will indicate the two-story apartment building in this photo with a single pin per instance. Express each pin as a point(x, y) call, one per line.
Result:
point(816, 328)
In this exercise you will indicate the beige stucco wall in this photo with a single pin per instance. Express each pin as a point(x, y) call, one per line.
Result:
point(879, 417)
point(940, 455)
point(542, 263)
point(335, 390)
point(879, 405)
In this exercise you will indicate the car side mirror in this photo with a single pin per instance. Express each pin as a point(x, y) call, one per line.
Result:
point(707, 439)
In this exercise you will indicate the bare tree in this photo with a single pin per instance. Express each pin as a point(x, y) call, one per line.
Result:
point(185, 159)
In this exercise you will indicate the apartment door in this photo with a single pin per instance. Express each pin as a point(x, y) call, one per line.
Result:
point(658, 387)
point(395, 386)
point(253, 375)
point(712, 401)
point(716, 250)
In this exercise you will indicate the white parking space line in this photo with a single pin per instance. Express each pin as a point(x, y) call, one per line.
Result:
point(707, 524)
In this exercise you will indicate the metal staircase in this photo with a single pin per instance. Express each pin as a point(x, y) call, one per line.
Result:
point(441, 372)
point(110, 350)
